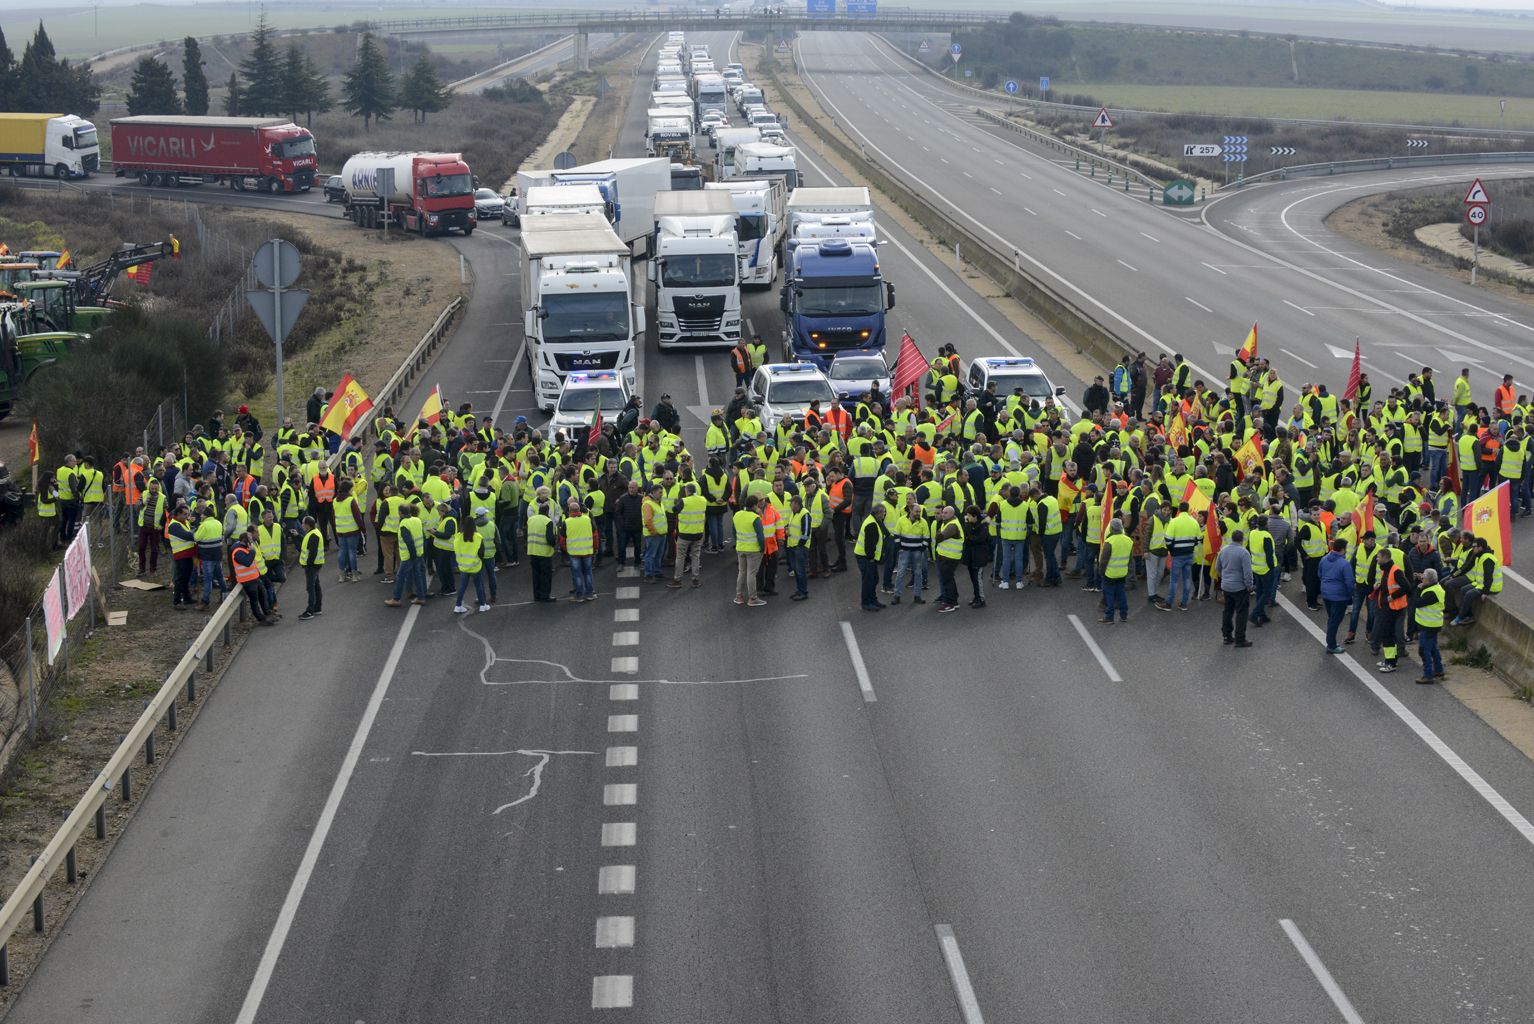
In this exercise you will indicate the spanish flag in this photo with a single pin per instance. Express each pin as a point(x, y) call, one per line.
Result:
point(1248, 350)
point(1177, 431)
point(34, 446)
point(141, 273)
point(1249, 456)
point(1195, 498)
point(431, 409)
point(348, 406)
point(1490, 517)
point(65, 258)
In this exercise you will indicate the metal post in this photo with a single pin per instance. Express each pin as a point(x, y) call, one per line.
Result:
point(207, 659)
point(31, 682)
point(71, 870)
point(5, 951)
point(463, 270)
point(127, 781)
point(277, 320)
point(149, 749)
point(958, 261)
point(101, 822)
point(112, 536)
point(1475, 258)
point(37, 905)
point(170, 716)
point(227, 640)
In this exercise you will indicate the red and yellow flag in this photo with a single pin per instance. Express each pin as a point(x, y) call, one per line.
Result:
point(1249, 455)
point(34, 446)
point(1195, 498)
point(141, 274)
point(1248, 350)
point(1490, 517)
point(432, 408)
point(1364, 513)
point(1177, 431)
point(65, 258)
point(348, 406)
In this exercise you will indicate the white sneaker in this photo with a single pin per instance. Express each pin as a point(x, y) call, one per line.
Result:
point(1003, 585)
point(484, 607)
point(459, 609)
point(1286, 577)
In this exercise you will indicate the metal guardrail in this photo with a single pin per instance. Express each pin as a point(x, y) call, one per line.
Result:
point(27, 897)
point(890, 18)
point(1044, 139)
point(489, 72)
point(1387, 163)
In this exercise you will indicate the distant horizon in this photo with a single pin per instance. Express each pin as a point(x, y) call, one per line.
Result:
point(1508, 6)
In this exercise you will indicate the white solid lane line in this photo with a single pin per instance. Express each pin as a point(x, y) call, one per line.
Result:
point(1216, 269)
point(969, 1006)
point(1302, 309)
point(1153, 238)
point(1073, 234)
point(306, 865)
point(1328, 983)
point(1126, 265)
point(702, 382)
point(1199, 304)
point(1097, 652)
point(1299, 359)
point(1499, 803)
point(858, 668)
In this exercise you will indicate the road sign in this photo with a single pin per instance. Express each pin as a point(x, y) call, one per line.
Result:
point(1417, 143)
point(925, 46)
point(276, 263)
point(264, 301)
point(1202, 149)
point(1282, 151)
point(1103, 120)
point(1234, 140)
point(1234, 157)
point(956, 51)
point(820, 8)
point(1178, 192)
point(969, 72)
point(566, 160)
point(1043, 84)
point(862, 8)
point(1477, 194)
point(1011, 87)
point(1475, 214)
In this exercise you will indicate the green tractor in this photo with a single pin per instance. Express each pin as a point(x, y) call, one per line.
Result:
point(23, 354)
point(54, 306)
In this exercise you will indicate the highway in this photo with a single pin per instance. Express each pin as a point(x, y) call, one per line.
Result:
point(542, 59)
point(810, 814)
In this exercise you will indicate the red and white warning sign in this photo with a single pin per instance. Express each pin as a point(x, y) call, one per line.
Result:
point(1477, 194)
point(1103, 120)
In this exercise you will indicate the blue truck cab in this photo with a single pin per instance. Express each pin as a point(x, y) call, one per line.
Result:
point(834, 301)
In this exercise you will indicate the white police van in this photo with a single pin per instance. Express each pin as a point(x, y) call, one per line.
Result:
point(579, 398)
point(1012, 373)
point(785, 390)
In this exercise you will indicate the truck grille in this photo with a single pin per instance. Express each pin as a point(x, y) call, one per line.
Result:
point(90, 163)
point(568, 361)
point(699, 316)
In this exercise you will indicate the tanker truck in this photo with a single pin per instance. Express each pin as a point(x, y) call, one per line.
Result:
point(424, 192)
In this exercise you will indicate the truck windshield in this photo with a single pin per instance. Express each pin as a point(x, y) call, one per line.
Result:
point(294, 148)
point(700, 270)
point(851, 300)
point(748, 226)
point(596, 316)
point(85, 138)
point(442, 186)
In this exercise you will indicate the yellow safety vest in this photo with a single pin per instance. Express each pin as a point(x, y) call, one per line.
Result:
point(1119, 549)
point(579, 539)
point(1431, 615)
point(538, 545)
point(745, 531)
point(318, 558)
point(694, 512)
point(466, 551)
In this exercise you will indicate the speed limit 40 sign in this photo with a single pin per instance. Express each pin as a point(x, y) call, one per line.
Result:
point(1475, 214)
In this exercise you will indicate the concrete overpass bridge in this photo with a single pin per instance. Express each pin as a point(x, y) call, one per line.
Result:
point(582, 23)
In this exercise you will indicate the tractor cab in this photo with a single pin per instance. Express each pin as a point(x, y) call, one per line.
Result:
point(11, 273)
point(51, 306)
point(23, 354)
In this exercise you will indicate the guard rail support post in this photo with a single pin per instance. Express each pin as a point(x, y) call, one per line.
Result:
point(1094, 168)
point(101, 822)
point(148, 742)
point(71, 865)
point(37, 904)
point(227, 639)
point(207, 659)
point(127, 777)
point(242, 611)
point(170, 715)
point(191, 687)
point(5, 964)
point(1126, 184)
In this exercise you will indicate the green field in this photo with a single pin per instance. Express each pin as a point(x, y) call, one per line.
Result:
point(81, 32)
point(1344, 104)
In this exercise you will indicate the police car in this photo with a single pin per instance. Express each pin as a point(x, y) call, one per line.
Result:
point(579, 398)
point(785, 390)
point(1011, 373)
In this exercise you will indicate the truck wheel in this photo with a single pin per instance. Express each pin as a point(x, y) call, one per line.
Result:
point(273, 186)
point(468, 231)
point(60, 171)
point(145, 178)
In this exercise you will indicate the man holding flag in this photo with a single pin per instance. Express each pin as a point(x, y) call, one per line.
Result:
point(349, 404)
point(1240, 385)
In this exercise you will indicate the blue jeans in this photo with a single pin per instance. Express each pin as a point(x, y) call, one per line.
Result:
point(1361, 598)
point(914, 561)
point(479, 585)
point(868, 570)
point(212, 576)
point(1014, 560)
point(580, 573)
point(1181, 575)
point(412, 574)
point(506, 536)
point(654, 553)
point(799, 565)
point(1051, 545)
point(1114, 597)
point(1336, 611)
point(713, 527)
point(1437, 465)
point(347, 544)
point(1427, 650)
point(1088, 564)
point(1267, 593)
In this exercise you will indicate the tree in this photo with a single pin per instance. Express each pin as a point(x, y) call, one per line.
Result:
point(153, 89)
point(368, 88)
point(194, 82)
point(317, 98)
point(261, 71)
point(45, 83)
point(7, 74)
point(421, 92)
point(234, 96)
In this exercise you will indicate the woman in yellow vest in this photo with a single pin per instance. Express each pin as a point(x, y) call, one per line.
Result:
point(468, 554)
point(349, 518)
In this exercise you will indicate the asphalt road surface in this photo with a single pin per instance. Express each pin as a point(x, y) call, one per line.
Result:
point(666, 808)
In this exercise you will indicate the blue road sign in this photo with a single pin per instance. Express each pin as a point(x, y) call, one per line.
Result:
point(1043, 83)
point(1235, 140)
point(820, 8)
point(862, 8)
point(1238, 158)
point(1011, 86)
point(956, 50)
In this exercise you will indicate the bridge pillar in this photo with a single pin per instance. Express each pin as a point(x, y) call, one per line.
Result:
point(582, 52)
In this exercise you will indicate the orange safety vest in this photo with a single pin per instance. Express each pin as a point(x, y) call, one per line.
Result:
point(839, 420)
point(771, 530)
point(1504, 399)
point(837, 491)
point(324, 488)
point(1328, 519)
point(1491, 446)
point(738, 360)
point(244, 573)
point(1394, 591)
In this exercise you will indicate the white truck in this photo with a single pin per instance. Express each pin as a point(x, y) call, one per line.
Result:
point(43, 145)
point(760, 221)
point(710, 93)
point(578, 308)
point(725, 140)
point(668, 133)
point(764, 159)
point(558, 200)
point(695, 267)
point(815, 214)
point(628, 186)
